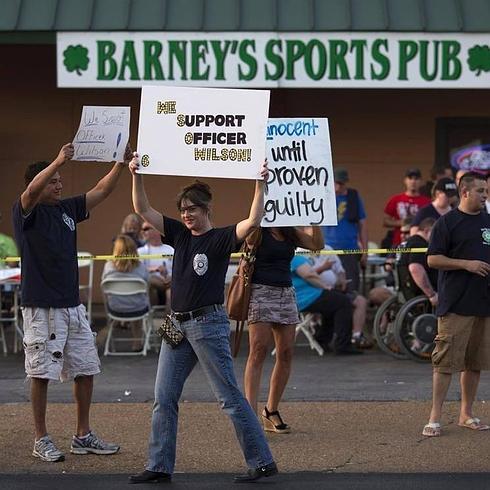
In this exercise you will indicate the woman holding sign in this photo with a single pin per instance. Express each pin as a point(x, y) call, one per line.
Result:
point(273, 315)
point(198, 328)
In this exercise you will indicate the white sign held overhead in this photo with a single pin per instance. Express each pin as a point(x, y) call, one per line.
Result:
point(300, 188)
point(103, 134)
point(202, 132)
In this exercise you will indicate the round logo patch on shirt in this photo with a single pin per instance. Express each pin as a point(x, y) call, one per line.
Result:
point(200, 264)
point(486, 236)
point(68, 221)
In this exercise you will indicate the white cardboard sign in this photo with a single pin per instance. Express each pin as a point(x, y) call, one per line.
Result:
point(300, 188)
point(202, 132)
point(103, 134)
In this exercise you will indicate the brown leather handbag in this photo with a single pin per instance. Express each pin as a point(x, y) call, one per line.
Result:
point(238, 298)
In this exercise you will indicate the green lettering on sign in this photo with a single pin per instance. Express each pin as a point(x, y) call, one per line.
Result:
point(359, 46)
point(248, 59)
point(199, 50)
point(177, 51)
point(408, 51)
point(338, 50)
point(106, 66)
point(381, 59)
point(275, 59)
point(220, 55)
point(424, 60)
point(129, 61)
point(317, 48)
point(294, 52)
point(152, 52)
point(451, 65)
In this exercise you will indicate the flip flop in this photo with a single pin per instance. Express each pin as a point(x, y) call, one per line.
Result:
point(432, 429)
point(474, 424)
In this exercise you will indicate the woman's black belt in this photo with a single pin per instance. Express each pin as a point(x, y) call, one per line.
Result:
point(189, 315)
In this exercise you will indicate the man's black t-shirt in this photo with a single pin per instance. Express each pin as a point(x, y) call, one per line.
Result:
point(199, 265)
point(416, 241)
point(273, 261)
point(462, 236)
point(426, 212)
point(47, 240)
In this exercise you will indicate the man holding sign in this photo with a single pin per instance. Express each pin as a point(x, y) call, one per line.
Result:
point(58, 341)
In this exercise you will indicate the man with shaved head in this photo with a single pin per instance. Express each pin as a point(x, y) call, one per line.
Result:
point(460, 249)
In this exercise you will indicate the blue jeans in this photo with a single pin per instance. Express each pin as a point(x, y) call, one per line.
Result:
point(207, 341)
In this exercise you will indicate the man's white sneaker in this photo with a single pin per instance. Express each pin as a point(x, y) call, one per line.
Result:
point(46, 450)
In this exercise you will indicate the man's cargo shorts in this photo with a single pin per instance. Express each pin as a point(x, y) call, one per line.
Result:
point(462, 344)
point(59, 343)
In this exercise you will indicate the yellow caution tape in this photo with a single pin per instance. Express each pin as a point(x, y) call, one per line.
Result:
point(360, 251)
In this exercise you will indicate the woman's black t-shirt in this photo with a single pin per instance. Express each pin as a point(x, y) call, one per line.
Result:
point(199, 265)
point(462, 236)
point(273, 261)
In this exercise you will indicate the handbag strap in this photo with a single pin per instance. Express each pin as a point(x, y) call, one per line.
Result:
point(237, 337)
point(252, 242)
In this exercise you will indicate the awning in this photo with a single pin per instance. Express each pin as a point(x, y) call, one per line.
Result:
point(35, 21)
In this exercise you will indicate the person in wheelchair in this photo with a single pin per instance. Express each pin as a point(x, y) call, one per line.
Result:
point(416, 277)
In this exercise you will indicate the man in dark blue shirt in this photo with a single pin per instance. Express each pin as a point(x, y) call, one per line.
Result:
point(58, 341)
point(460, 249)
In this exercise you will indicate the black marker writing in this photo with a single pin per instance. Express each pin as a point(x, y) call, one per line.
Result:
point(295, 204)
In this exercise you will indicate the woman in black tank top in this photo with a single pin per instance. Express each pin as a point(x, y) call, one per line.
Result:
point(273, 316)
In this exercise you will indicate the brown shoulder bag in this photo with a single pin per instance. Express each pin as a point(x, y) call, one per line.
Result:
point(238, 298)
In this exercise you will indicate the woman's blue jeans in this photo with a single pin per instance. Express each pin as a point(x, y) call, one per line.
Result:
point(207, 342)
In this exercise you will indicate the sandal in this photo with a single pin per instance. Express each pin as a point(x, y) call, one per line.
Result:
point(474, 424)
point(432, 429)
point(269, 425)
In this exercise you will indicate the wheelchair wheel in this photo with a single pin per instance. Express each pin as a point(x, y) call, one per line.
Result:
point(416, 328)
point(384, 328)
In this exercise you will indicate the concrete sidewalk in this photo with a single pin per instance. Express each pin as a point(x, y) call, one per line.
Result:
point(332, 437)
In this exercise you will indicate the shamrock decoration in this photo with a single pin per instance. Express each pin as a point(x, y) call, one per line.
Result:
point(76, 58)
point(479, 59)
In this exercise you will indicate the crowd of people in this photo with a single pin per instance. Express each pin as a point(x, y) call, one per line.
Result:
point(454, 223)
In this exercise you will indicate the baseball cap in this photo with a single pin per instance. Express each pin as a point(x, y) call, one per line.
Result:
point(413, 172)
point(341, 175)
point(446, 185)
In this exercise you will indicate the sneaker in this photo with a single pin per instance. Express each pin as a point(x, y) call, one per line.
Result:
point(361, 342)
point(46, 450)
point(92, 444)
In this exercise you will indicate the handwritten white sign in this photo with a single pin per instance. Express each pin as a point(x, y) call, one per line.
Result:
point(202, 132)
point(300, 188)
point(103, 134)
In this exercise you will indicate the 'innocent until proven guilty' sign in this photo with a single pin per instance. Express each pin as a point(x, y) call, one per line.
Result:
point(202, 132)
point(300, 188)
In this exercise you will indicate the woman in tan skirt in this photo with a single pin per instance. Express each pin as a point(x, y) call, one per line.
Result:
point(273, 315)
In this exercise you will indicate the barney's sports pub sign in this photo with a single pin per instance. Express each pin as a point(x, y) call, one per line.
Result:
point(273, 59)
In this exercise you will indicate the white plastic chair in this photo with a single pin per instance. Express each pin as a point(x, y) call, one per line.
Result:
point(125, 287)
point(88, 285)
point(305, 326)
